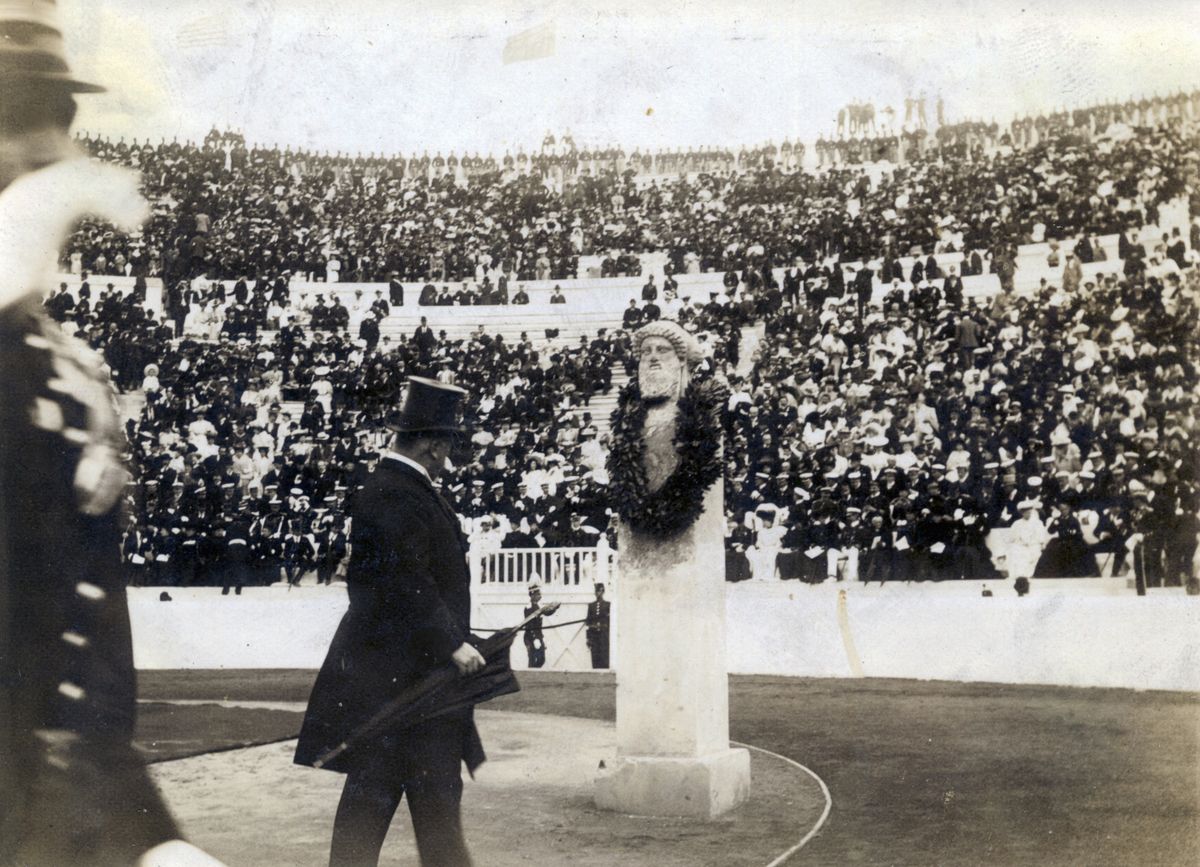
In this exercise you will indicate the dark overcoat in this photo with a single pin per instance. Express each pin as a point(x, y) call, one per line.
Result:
point(72, 788)
point(410, 609)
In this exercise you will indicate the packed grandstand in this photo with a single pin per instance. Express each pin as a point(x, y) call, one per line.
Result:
point(957, 353)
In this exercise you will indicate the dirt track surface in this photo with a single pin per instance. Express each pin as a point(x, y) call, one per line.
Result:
point(530, 801)
point(924, 772)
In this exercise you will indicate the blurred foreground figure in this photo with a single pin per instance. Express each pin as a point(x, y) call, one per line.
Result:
point(73, 791)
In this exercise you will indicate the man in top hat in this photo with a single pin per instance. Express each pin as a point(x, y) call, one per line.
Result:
point(72, 788)
point(410, 606)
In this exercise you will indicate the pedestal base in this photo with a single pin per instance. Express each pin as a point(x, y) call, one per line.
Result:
point(695, 787)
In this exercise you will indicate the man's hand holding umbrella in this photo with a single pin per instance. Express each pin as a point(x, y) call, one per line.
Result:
point(467, 659)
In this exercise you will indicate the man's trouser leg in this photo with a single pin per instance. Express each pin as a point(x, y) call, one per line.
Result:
point(600, 651)
point(434, 792)
point(432, 779)
point(363, 817)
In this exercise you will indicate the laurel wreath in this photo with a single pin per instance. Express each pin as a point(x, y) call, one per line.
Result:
point(678, 503)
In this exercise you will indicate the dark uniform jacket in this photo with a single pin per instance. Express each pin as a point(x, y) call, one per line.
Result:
point(410, 609)
point(533, 629)
point(598, 615)
point(72, 789)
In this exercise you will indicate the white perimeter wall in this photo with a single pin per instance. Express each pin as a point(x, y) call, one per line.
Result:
point(1072, 633)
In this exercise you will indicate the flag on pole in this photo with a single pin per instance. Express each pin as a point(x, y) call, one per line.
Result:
point(532, 44)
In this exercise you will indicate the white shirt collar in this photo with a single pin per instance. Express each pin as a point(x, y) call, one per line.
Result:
point(396, 456)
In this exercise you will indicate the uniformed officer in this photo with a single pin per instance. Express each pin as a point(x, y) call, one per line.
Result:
point(72, 788)
point(535, 642)
point(597, 628)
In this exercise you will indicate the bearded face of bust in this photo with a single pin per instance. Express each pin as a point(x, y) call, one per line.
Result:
point(661, 372)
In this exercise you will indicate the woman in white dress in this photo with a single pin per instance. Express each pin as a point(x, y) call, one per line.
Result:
point(1028, 537)
point(768, 542)
point(208, 321)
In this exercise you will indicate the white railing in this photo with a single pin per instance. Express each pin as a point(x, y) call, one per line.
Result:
point(553, 567)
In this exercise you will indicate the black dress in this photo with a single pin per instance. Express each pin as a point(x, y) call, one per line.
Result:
point(1066, 555)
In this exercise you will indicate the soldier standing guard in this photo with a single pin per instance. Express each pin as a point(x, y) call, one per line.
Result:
point(72, 788)
point(535, 641)
point(597, 628)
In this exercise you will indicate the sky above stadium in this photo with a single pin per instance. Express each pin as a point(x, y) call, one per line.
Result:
point(398, 76)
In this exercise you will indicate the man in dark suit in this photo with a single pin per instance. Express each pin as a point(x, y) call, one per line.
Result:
point(791, 283)
point(380, 305)
point(597, 629)
point(425, 340)
point(952, 289)
point(863, 288)
point(368, 330)
point(650, 291)
point(396, 290)
point(632, 317)
point(73, 790)
point(410, 608)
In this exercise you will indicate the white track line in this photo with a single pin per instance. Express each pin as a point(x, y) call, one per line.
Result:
point(824, 790)
point(230, 703)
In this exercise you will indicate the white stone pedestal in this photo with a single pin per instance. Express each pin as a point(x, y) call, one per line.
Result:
point(699, 788)
point(673, 754)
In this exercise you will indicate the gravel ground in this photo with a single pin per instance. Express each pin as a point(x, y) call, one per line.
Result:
point(920, 772)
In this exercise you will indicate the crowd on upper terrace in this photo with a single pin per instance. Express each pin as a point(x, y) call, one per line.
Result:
point(227, 210)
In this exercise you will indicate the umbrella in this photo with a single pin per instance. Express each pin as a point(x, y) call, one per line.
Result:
point(444, 691)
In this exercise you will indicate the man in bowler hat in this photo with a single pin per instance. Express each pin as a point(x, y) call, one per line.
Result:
point(410, 607)
point(72, 788)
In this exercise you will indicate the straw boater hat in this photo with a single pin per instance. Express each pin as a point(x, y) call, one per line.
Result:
point(31, 47)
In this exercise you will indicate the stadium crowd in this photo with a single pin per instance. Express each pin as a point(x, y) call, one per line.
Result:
point(229, 211)
point(893, 444)
point(247, 451)
point(888, 427)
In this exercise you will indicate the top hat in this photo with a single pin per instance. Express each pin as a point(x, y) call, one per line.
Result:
point(31, 47)
point(429, 406)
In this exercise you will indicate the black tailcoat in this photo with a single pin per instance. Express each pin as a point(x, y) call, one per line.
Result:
point(410, 609)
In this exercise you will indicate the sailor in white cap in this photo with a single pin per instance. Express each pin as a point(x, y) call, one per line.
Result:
point(535, 641)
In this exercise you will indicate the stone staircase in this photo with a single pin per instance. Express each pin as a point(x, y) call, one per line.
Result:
point(547, 326)
point(602, 405)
